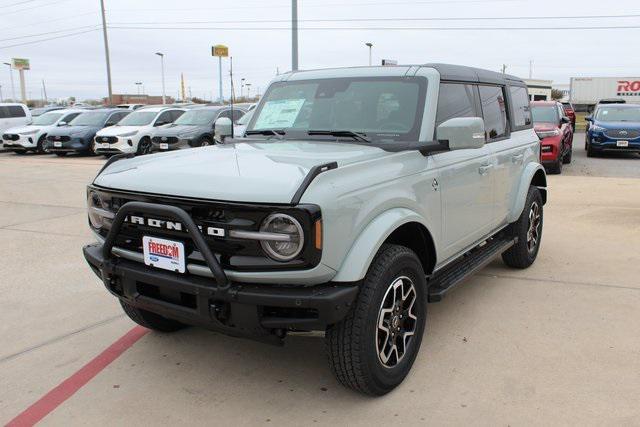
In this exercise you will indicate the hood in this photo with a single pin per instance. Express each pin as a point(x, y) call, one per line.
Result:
point(542, 126)
point(24, 129)
point(258, 172)
point(117, 130)
point(73, 130)
point(618, 125)
point(175, 130)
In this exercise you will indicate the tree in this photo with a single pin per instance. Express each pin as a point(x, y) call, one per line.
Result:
point(557, 94)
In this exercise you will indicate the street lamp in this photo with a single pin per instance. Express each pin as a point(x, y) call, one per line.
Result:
point(248, 85)
point(13, 89)
point(138, 84)
point(161, 55)
point(370, 45)
point(241, 86)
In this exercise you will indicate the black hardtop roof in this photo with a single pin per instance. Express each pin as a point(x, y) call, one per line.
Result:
point(474, 75)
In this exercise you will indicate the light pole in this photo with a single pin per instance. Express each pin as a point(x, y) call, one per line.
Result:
point(161, 55)
point(248, 85)
point(1, 99)
point(241, 86)
point(138, 84)
point(370, 45)
point(106, 51)
point(294, 35)
point(13, 88)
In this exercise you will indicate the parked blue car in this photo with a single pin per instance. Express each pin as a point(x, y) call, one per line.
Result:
point(613, 128)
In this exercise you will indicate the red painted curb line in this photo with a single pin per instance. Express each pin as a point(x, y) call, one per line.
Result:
point(54, 398)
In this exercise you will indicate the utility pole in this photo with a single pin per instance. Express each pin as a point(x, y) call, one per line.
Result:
point(106, 51)
point(13, 88)
point(530, 69)
point(241, 87)
point(1, 99)
point(138, 84)
point(504, 68)
point(370, 46)
point(23, 88)
point(44, 91)
point(294, 35)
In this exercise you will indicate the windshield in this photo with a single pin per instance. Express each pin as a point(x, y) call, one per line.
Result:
point(90, 119)
point(138, 118)
point(613, 114)
point(387, 108)
point(544, 114)
point(197, 117)
point(246, 118)
point(47, 119)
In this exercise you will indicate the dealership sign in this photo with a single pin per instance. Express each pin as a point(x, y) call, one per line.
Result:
point(20, 64)
point(220, 50)
point(628, 88)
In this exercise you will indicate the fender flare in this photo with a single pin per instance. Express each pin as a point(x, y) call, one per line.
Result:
point(357, 261)
point(526, 180)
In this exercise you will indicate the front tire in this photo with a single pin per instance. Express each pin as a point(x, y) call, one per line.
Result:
point(373, 348)
point(151, 320)
point(40, 145)
point(528, 230)
point(144, 146)
point(567, 157)
point(61, 154)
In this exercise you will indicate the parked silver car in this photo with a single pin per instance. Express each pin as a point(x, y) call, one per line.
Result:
point(357, 196)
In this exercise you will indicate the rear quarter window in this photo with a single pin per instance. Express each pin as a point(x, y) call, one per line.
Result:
point(520, 108)
point(494, 112)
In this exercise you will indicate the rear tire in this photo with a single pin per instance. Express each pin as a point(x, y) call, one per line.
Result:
point(528, 230)
point(367, 350)
point(151, 320)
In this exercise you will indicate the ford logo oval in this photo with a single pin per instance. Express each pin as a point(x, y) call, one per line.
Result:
point(623, 132)
point(164, 138)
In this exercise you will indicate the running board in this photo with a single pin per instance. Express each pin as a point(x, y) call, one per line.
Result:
point(444, 280)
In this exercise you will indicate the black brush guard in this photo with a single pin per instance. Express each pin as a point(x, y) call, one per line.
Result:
point(258, 311)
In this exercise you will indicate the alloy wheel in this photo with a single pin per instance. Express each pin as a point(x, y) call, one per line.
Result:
point(397, 322)
point(533, 232)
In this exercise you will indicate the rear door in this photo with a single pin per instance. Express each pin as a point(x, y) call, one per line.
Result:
point(510, 150)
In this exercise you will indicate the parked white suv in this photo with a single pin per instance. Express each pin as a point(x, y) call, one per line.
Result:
point(133, 133)
point(22, 139)
point(13, 115)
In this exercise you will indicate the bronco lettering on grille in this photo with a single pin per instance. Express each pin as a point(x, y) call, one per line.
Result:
point(172, 225)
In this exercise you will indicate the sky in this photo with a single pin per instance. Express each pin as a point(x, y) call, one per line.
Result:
point(63, 40)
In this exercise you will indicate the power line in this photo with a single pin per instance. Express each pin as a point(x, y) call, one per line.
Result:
point(612, 27)
point(480, 18)
point(47, 39)
point(49, 32)
point(34, 7)
point(46, 21)
point(18, 3)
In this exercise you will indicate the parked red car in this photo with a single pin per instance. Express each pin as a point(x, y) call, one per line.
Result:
point(555, 132)
point(571, 113)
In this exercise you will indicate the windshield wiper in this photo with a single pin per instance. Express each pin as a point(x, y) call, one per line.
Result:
point(276, 132)
point(359, 136)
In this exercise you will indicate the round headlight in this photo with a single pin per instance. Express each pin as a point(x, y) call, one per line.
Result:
point(95, 206)
point(288, 237)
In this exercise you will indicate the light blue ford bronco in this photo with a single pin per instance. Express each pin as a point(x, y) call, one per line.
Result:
point(356, 196)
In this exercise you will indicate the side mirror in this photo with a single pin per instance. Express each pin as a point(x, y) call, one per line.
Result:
point(565, 120)
point(62, 123)
point(588, 118)
point(462, 133)
point(222, 128)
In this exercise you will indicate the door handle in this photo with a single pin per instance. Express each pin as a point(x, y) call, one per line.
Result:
point(484, 169)
point(517, 158)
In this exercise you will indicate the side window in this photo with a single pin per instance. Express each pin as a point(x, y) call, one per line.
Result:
point(225, 113)
point(175, 114)
point(69, 117)
point(520, 106)
point(494, 111)
point(164, 118)
point(237, 114)
point(4, 112)
point(16, 111)
point(455, 100)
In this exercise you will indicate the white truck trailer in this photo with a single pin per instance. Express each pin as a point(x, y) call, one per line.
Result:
point(588, 91)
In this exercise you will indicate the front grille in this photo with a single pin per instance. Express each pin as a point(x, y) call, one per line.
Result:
point(107, 139)
point(234, 254)
point(622, 134)
point(164, 139)
point(61, 138)
point(10, 137)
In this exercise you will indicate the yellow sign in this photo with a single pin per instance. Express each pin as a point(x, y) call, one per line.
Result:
point(220, 50)
point(20, 64)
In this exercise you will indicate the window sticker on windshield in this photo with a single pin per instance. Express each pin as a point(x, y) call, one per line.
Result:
point(605, 112)
point(279, 114)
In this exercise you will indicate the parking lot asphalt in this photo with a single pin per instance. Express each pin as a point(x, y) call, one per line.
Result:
point(555, 344)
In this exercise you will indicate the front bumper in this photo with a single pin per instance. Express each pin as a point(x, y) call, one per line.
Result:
point(121, 145)
point(599, 141)
point(247, 310)
point(162, 146)
point(76, 144)
point(550, 149)
point(22, 143)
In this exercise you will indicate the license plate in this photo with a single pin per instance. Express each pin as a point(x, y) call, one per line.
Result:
point(163, 253)
point(57, 144)
point(164, 146)
point(102, 145)
point(623, 143)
